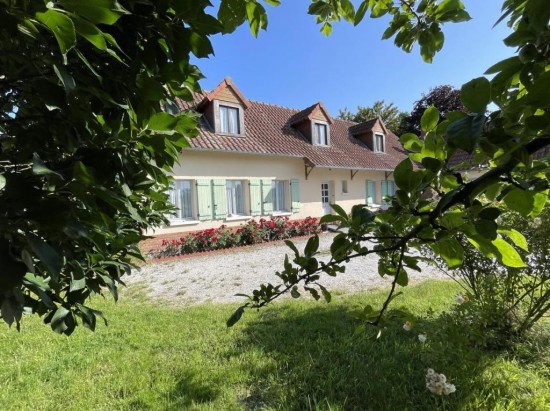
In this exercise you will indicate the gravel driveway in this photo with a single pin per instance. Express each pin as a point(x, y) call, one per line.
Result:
point(217, 277)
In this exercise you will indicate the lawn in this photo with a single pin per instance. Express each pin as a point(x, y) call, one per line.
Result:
point(295, 355)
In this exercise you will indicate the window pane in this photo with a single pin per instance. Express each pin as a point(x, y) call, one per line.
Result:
point(224, 120)
point(322, 133)
point(234, 120)
point(181, 198)
point(279, 199)
point(235, 197)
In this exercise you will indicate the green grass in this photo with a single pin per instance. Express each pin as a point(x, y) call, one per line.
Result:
point(295, 355)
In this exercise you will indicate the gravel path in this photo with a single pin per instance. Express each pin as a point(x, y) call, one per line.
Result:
point(217, 277)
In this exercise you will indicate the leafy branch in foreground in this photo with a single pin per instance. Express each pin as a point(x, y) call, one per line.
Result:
point(435, 204)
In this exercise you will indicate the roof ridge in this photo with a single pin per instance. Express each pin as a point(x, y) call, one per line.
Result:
point(275, 105)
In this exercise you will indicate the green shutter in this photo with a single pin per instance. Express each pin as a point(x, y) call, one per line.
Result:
point(219, 194)
point(267, 198)
point(371, 191)
point(255, 198)
point(388, 189)
point(391, 187)
point(204, 197)
point(295, 194)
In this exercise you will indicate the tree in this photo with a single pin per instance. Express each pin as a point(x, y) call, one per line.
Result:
point(507, 138)
point(390, 114)
point(445, 98)
point(89, 126)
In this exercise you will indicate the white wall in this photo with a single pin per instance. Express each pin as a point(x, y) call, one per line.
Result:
point(204, 164)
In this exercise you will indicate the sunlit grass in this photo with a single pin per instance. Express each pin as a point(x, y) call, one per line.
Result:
point(295, 355)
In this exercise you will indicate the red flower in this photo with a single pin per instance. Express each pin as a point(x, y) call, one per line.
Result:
point(271, 224)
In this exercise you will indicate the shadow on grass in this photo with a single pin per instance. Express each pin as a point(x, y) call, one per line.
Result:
point(188, 392)
point(321, 364)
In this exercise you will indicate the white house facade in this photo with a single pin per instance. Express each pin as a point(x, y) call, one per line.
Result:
point(254, 160)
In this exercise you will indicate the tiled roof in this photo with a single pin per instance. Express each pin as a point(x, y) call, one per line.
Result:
point(268, 131)
point(466, 161)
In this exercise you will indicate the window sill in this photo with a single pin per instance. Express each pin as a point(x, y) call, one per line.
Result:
point(344, 194)
point(238, 218)
point(177, 223)
point(374, 206)
point(281, 214)
point(231, 135)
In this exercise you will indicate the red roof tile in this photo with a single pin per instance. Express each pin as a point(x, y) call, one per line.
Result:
point(268, 130)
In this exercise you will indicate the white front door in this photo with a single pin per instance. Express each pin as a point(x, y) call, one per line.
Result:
point(325, 198)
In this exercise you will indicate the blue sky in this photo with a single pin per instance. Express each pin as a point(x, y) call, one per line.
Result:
point(293, 65)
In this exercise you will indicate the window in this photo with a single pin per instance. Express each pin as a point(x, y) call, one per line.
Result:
point(344, 186)
point(320, 134)
point(379, 143)
point(279, 195)
point(388, 189)
point(229, 120)
point(181, 198)
point(371, 192)
point(235, 197)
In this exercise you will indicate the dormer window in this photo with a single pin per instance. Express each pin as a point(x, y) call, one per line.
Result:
point(229, 120)
point(379, 143)
point(320, 134)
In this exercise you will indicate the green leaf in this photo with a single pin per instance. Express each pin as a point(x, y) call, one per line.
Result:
point(326, 28)
point(90, 32)
point(291, 245)
point(429, 119)
point(162, 123)
point(487, 228)
point(509, 256)
point(340, 211)
point(2, 181)
point(312, 246)
point(520, 200)
point(66, 79)
point(39, 167)
point(58, 320)
point(236, 316)
point(61, 26)
point(466, 132)
point(363, 7)
point(450, 250)
point(96, 11)
point(47, 254)
point(402, 278)
point(476, 94)
point(294, 292)
point(326, 294)
point(405, 178)
point(330, 218)
point(516, 237)
point(411, 142)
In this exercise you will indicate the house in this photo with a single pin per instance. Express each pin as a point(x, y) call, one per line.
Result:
point(255, 159)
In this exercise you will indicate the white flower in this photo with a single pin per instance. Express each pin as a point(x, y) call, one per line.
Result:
point(422, 338)
point(437, 383)
point(536, 223)
point(407, 326)
point(461, 299)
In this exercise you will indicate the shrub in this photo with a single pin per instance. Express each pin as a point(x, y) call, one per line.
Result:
point(503, 303)
point(252, 232)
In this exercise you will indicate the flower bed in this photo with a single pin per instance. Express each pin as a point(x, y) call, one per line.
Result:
point(252, 232)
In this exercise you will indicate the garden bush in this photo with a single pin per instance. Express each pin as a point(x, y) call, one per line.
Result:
point(503, 303)
point(252, 232)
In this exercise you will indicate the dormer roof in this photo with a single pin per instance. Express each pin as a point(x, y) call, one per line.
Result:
point(310, 113)
point(367, 126)
point(227, 83)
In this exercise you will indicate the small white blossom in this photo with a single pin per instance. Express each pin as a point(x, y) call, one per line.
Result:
point(536, 223)
point(461, 299)
point(437, 383)
point(407, 326)
point(422, 338)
